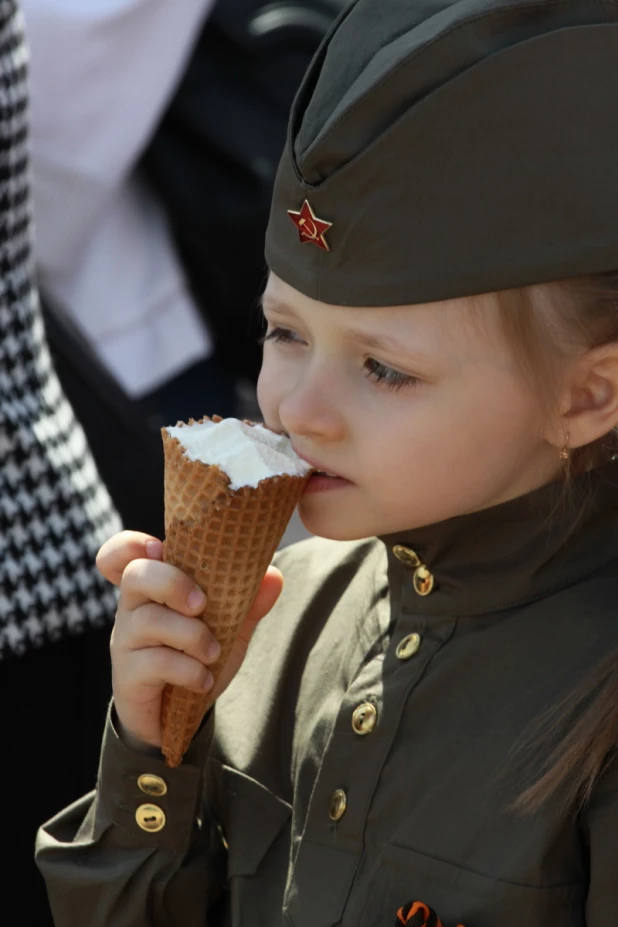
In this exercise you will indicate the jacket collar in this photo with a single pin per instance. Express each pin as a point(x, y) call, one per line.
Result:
point(511, 554)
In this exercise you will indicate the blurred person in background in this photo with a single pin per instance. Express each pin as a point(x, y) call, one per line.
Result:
point(55, 609)
point(157, 130)
point(113, 286)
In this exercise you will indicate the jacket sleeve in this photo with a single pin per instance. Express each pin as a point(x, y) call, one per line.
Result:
point(601, 832)
point(102, 868)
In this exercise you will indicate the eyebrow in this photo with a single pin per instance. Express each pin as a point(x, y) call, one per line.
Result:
point(269, 304)
point(378, 342)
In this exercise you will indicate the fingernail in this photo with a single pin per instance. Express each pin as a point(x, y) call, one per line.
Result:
point(208, 682)
point(154, 550)
point(196, 599)
point(214, 651)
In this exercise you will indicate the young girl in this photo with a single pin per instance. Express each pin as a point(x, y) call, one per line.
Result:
point(368, 751)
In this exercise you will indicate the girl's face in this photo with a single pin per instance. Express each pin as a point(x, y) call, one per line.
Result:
point(421, 411)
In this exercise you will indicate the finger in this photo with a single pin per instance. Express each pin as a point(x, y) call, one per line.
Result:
point(154, 667)
point(267, 595)
point(116, 554)
point(155, 625)
point(146, 581)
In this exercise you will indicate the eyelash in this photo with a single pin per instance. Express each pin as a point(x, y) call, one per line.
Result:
point(379, 373)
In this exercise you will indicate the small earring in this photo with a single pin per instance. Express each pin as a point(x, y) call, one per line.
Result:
point(564, 452)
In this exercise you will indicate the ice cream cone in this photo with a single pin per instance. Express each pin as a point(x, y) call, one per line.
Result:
point(223, 539)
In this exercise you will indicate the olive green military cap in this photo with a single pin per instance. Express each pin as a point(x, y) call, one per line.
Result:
point(438, 149)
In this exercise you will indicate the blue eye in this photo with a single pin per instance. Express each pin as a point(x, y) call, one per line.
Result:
point(391, 379)
point(280, 335)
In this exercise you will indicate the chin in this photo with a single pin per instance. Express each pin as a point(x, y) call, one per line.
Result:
point(331, 525)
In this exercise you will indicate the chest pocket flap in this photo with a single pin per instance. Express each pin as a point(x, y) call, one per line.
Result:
point(463, 896)
point(250, 816)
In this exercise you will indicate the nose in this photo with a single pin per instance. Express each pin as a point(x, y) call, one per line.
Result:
point(310, 408)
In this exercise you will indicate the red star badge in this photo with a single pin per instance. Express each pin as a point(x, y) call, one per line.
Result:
point(310, 228)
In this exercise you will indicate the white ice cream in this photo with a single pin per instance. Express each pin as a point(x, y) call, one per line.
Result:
point(246, 453)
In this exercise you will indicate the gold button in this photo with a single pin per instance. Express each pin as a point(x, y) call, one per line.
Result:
point(150, 818)
point(423, 581)
point(364, 719)
point(406, 555)
point(338, 804)
point(408, 646)
point(154, 786)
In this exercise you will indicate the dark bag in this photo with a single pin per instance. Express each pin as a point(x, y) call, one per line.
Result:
point(214, 157)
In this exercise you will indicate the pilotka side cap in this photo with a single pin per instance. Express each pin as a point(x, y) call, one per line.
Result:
point(438, 150)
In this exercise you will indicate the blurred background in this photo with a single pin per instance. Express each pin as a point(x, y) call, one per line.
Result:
point(144, 136)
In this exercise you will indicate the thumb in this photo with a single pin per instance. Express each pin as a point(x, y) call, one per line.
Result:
point(267, 595)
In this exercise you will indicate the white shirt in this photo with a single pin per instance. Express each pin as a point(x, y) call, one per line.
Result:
point(102, 73)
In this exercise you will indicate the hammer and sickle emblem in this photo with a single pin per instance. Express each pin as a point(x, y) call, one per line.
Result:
point(310, 228)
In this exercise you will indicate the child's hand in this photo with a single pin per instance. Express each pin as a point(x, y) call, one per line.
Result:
point(156, 639)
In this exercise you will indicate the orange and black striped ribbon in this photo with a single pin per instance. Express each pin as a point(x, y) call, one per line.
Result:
point(417, 914)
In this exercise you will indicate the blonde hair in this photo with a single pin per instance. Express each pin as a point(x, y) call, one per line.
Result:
point(544, 325)
point(549, 323)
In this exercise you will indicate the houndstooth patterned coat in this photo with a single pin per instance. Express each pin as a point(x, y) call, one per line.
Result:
point(54, 510)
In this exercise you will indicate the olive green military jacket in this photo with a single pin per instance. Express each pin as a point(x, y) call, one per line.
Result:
point(366, 754)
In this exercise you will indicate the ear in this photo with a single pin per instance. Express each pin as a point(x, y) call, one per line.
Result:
point(590, 407)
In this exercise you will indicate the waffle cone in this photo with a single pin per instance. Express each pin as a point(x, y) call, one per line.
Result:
point(224, 540)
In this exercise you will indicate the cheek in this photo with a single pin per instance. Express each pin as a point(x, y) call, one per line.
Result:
point(444, 435)
point(265, 394)
point(493, 435)
point(272, 386)
point(505, 415)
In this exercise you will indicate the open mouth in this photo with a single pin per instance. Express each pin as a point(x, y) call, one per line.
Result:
point(322, 479)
